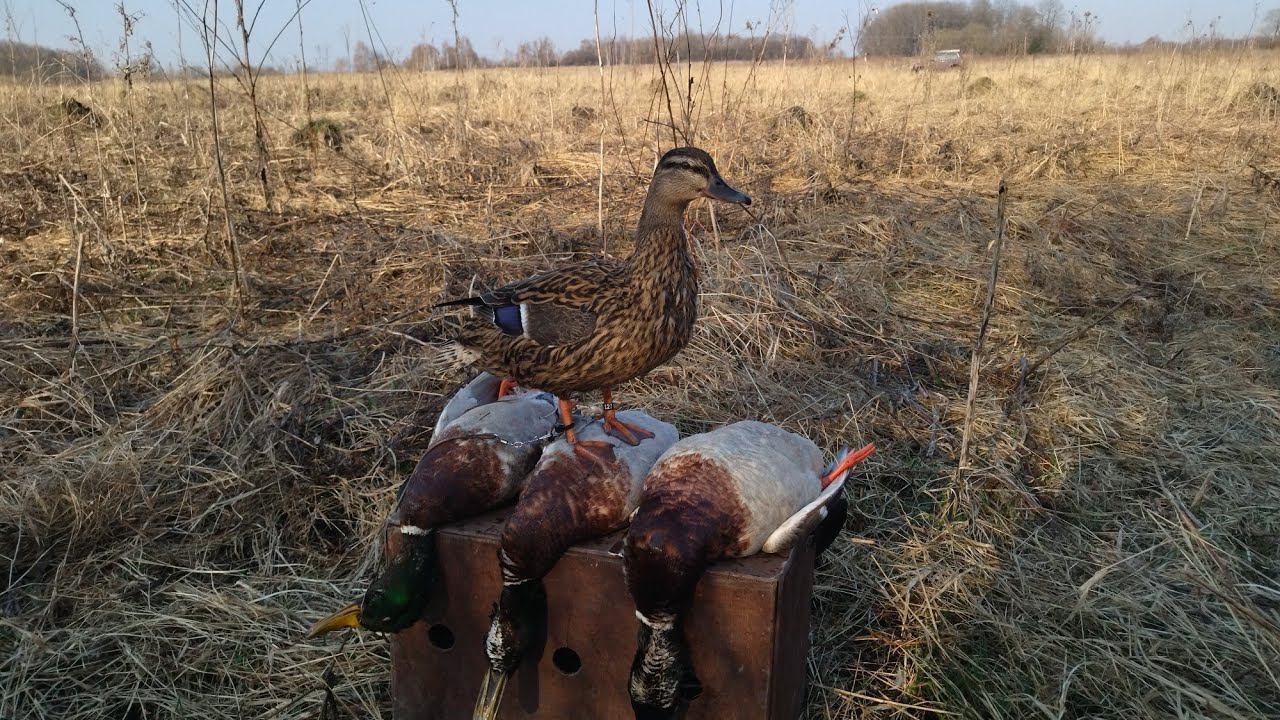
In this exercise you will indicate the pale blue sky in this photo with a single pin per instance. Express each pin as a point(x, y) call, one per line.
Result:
point(495, 27)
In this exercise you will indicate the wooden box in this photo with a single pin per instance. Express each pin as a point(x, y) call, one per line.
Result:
point(748, 631)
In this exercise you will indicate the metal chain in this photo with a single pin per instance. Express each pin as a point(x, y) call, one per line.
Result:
point(540, 440)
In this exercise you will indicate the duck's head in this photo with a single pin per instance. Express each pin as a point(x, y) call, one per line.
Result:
point(687, 173)
point(430, 497)
point(398, 597)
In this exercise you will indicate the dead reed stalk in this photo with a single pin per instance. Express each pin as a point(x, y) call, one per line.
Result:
point(988, 306)
point(259, 128)
point(239, 287)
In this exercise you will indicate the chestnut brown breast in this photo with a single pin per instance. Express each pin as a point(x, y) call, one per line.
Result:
point(476, 462)
point(568, 498)
point(748, 477)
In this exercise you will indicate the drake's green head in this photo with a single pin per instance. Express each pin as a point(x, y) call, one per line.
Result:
point(395, 599)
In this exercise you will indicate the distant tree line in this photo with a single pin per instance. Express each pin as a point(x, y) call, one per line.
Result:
point(978, 27)
point(542, 52)
point(423, 56)
point(981, 27)
point(41, 64)
point(697, 48)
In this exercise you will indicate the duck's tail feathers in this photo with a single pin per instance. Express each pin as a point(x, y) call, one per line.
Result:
point(453, 356)
point(491, 689)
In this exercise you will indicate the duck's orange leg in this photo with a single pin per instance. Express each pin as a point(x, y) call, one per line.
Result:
point(581, 448)
point(630, 434)
point(566, 421)
point(505, 387)
point(852, 459)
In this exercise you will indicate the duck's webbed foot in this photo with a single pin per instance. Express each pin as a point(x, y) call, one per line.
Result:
point(596, 452)
point(629, 434)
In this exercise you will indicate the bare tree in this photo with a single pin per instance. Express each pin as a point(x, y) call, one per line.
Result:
point(364, 59)
point(537, 53)
point(1271, 24)
point(422, 57)
point(981, 27)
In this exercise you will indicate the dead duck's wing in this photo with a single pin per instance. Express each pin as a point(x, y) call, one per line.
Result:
point(556, 308)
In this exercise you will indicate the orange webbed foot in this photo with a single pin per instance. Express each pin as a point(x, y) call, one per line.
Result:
point(613, 427)
point(593, 451)
point(506, 387)
point(629, 434)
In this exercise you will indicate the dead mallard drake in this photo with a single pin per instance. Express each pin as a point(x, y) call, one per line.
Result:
point(735, 491)
point(567, 499)
point(482, 449)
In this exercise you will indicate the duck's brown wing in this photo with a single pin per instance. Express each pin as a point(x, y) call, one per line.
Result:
point(555, 308)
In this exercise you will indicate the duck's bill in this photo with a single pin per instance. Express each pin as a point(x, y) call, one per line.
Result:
point(490, 695)
point(719, 190)
point(347, 617)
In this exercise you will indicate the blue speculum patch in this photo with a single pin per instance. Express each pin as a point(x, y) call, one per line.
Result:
point(507, 318)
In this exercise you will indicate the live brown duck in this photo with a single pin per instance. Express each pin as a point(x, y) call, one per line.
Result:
point(597, 323)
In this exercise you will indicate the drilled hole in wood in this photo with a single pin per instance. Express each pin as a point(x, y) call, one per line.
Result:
point(440, 637)
point(566, 661)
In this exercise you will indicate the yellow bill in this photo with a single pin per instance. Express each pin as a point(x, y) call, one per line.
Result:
point(347, 617)
point(490, 695)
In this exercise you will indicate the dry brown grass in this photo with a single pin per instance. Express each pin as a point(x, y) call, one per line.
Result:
point(188, 484)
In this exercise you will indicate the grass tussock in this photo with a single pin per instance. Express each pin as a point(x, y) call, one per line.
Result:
point(200, 445)
point(320, 131)
point(981, 85)
point(1262, 97)
point(77, 112)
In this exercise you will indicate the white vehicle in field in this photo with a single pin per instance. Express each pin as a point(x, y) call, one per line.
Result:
point(942, 60)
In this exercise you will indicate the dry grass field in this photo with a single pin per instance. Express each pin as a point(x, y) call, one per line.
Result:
point(193, 473)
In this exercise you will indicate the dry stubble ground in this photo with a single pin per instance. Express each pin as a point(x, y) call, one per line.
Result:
point(187, 482)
